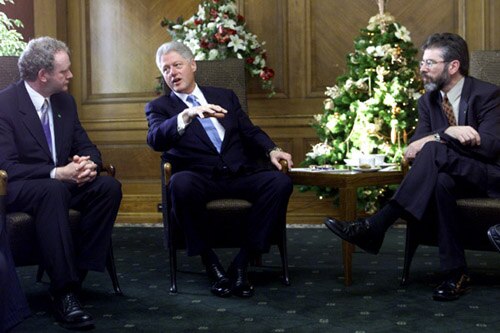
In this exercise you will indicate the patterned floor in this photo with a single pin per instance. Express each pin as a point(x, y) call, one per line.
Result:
point(317, 300)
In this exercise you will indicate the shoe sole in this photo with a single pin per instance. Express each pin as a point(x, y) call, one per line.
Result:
point(85, 325)
point(451, 298)
point(490, 236)
point(341, 235)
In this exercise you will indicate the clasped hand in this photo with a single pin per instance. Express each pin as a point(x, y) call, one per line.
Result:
point(80, 170)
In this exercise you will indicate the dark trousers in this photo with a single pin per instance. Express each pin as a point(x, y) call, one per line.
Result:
point(268, 191)
point(438, 177)
point(49, 201)
point(13, 305)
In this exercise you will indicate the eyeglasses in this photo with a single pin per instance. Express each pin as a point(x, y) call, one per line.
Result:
point(430, 63)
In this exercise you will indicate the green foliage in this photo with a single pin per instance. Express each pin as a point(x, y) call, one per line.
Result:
point(11, 41)
point(217, 31)
point(372, 108)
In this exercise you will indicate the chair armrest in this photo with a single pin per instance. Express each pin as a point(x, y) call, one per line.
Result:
point(3, 182)
point(109, 169)
point(284, 166)
point(167, 172)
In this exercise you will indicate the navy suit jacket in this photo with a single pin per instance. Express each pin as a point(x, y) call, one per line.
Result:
point(24, 152)
point(193, 150)
point(479, 108)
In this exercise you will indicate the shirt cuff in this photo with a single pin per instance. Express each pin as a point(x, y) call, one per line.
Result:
point(181, 125)
point(53, 173)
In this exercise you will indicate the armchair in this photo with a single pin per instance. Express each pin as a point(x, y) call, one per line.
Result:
point(22, 236)
point(477, 214)
point(224, 214)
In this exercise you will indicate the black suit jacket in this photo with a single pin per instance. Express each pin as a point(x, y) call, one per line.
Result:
point(193, 150)
point(479, 108)
point(24, 152)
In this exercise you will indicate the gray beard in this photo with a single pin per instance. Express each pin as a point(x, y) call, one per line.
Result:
point(431, 86)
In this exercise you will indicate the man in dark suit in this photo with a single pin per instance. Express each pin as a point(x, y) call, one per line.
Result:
point(455, 153)
point(53, 166)
point(205, 134)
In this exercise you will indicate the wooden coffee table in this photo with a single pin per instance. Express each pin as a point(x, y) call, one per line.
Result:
point(347, 183)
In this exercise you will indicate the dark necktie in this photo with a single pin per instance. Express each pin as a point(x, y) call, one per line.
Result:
point(448, 111)
point(45, 123)
point(208, 125)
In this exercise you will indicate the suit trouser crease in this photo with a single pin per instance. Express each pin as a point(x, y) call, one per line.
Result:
point(49, 201)
point(437, 178)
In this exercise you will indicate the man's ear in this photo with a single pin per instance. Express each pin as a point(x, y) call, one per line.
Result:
point(193, 65)
point(454, 67)
point(42, 75)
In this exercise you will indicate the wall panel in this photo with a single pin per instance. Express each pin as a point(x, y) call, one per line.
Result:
point(113, 44)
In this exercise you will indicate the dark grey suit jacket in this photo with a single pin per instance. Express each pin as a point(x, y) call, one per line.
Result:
point(479, 108)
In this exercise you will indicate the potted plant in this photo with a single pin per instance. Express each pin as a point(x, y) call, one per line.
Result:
point(11, 46)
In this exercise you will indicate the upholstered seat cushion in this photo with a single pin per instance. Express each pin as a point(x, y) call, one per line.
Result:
point(22, 236)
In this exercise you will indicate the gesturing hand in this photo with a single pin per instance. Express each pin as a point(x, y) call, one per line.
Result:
point(203, 111)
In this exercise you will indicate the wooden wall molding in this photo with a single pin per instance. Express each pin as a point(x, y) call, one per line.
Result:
point(113, 43)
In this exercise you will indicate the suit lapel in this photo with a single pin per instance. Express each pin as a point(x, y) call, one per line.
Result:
point(464, 102)
point(59, 128)
point(30, 119)
point(195, 127)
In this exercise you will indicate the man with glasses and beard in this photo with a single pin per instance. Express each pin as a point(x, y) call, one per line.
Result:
point(455, 152)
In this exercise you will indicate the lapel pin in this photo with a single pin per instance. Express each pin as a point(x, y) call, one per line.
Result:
point(58, 115)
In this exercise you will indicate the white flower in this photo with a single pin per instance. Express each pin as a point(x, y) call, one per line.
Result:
point(402, 33)
point(229, 8)
point(199, 56)
point(328, 104)
point(332, 92)
point(348, 84)
point(379, 51)
point(213, 54)
point(389, 100)
point(236, 43)
point(320, 149)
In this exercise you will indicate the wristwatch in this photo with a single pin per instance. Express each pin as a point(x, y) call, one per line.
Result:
point(437, 137)
point(276, 148)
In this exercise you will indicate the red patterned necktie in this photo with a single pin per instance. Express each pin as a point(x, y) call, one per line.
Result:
point(448, 111)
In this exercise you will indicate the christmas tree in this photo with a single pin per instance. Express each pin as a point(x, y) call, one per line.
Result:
point(216, 32)
point(372, 108)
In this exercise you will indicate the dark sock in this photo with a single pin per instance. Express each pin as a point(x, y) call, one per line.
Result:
point(385, 217)
point(241, 259)
point(209, 257)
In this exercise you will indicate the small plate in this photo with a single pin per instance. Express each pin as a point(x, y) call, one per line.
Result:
point(366, 170)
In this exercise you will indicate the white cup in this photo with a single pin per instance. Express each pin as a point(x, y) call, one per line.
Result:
point(379, 159)
point(367, 160)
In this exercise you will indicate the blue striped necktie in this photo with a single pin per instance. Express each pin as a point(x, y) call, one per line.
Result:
point(208, 125)
point(45, 123)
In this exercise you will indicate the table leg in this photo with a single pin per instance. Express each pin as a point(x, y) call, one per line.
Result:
point(348, 204)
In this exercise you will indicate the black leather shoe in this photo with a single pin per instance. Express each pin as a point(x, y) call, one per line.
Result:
point(452, 288)
point(494, 236)
point(357, 233)
point(221, 285)
point(69, 313)
point(241, 286)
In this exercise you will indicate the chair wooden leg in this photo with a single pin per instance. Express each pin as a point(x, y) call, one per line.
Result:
point(173, 267)
point(284, 258)
point(110, 266)
point(410, 249)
